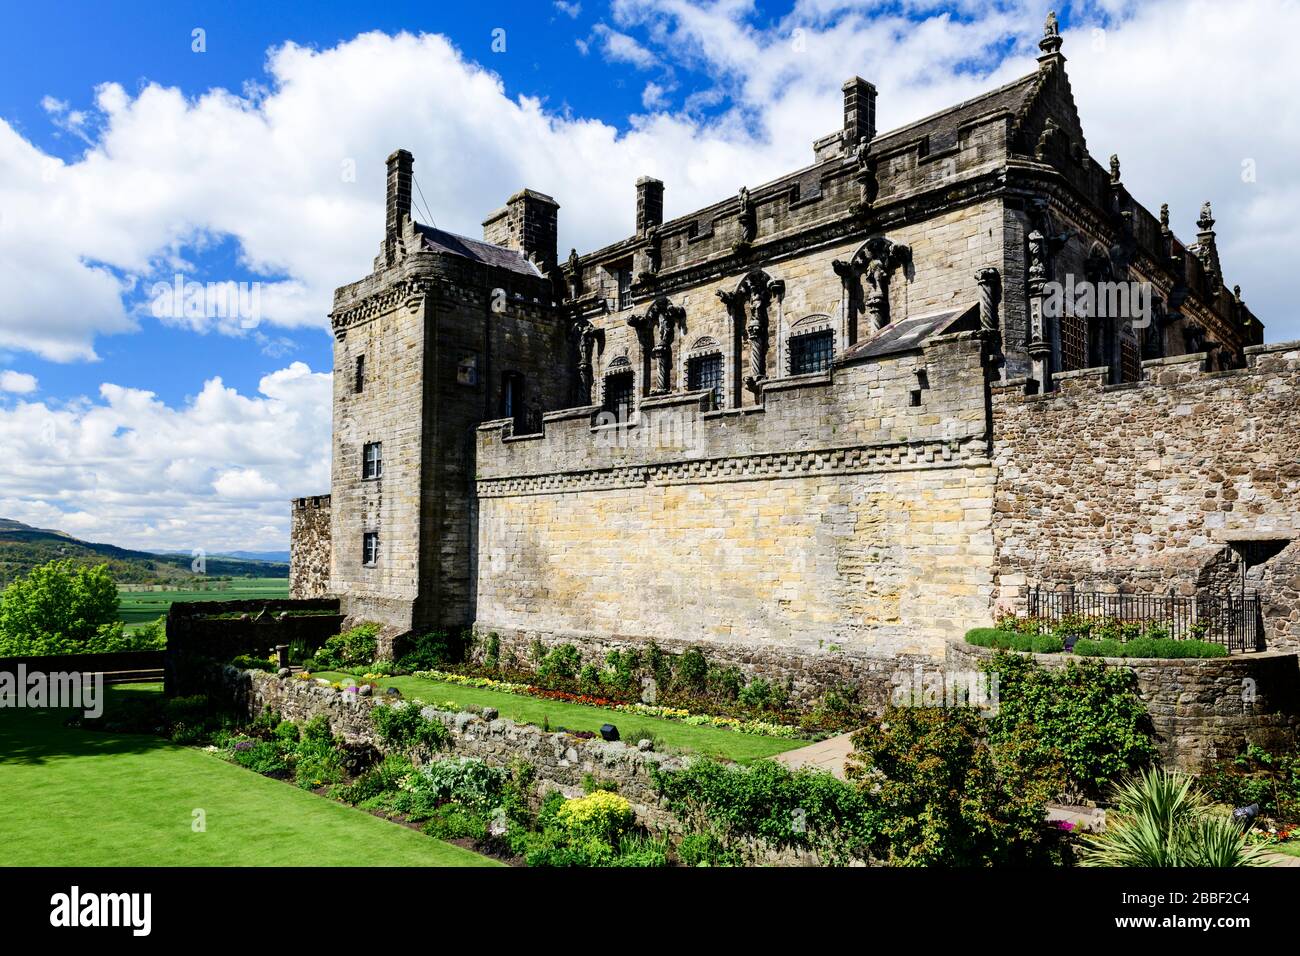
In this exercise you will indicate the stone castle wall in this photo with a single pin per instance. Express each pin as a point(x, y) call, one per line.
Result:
point(1149, 486)
point(309, 547)
point(836, 516)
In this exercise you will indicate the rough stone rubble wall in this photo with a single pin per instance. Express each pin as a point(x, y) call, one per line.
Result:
point(1143, 486)
point(560, 761)
point(309, 547)
point(839, 517)
point(1201, 709)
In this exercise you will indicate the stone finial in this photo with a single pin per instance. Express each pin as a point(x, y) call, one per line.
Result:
point(1051, 42)
point(1206, 220)
point(1114, 167)
point(1164, 217)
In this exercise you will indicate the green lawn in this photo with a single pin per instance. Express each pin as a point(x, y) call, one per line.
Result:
point(86, 798)
point(141, 607)
point(712, 741)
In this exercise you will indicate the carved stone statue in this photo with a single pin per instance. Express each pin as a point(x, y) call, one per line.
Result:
point(876, 261)
point(575, 275)
point(1206, 220)
point(1114, 167)
point(748, 224)
point(656, 329)
point(1164, 217)
point(584, 336)
point(1050, 26)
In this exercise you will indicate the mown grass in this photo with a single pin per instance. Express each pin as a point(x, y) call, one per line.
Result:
point(141, 607)
point(673, 734)
point(72, 797)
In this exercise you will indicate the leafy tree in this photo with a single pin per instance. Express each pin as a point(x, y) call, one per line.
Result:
point(61, 608)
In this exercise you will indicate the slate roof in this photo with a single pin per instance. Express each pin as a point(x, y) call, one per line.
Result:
point(438, 240)
point(942, 127)
point(908, 334)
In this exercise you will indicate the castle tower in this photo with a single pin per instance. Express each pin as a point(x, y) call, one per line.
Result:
point(446, 333)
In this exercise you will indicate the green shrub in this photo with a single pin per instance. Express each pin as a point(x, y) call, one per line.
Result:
point(692, 670)
point(383, 778)
point(705, 849)
point(562, 662)
point(429, 651)
point(250, 662)
point(1047, 644)
point(757, 693)
point(260, 756)
point(463, 780)
point(492, 653)
point(602, 816)
point(403, 725)
point(768, 805)
point(589, 679)
point(947, 795)
point(1087, 647)
point(994, 637)
point(1257, 776)
point(725, 682)
point(1156, 647)
point(352, 648)
point(457, 822)
point(1085, 715)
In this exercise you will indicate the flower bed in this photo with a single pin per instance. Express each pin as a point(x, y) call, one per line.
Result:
point(755, 727)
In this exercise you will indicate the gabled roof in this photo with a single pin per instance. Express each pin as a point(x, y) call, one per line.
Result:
point(438, 240)
point(1014, 98)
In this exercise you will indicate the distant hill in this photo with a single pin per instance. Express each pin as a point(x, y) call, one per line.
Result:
point(275, 557)
point(23, 547)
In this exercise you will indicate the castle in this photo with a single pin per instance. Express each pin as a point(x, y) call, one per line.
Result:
point(820, 426)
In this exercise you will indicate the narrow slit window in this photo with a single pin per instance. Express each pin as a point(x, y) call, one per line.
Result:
point(359, 381)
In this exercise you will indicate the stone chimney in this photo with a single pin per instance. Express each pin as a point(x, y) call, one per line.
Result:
point(649, 204)
point(859, 112)
point(527, 223)
point(398, 206)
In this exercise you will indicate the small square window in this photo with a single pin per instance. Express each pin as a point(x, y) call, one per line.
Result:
point(618, 395)
point(704, 373)
point(372, 460)
point(359, 380)
point(370, 548)
point(812, 352)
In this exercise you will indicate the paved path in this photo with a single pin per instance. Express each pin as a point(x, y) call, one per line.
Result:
point(828, 754)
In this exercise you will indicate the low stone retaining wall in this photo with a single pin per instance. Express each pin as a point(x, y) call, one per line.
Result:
point(560, 760)
point(809, 672)
point(1201, 708)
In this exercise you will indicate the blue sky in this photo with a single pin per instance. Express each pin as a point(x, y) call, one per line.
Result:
point(127, 157)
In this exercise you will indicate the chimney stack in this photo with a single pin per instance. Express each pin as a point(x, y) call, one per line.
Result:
point(527, 223)
point(859, 112)
point(649, 204)
point(399, 193)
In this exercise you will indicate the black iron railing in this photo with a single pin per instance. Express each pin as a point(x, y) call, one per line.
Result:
point(1229, 619)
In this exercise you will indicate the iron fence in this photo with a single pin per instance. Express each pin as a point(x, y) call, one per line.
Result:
point(1229, 619)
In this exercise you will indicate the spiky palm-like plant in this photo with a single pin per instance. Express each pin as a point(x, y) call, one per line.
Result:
point(1162, 819)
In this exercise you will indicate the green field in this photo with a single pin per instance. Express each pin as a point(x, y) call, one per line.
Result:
point(72, 797)
point(670, 734)
point(141, 607)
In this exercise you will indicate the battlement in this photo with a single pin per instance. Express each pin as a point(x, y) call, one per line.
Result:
point(924, 407)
